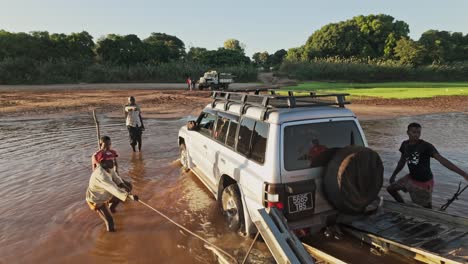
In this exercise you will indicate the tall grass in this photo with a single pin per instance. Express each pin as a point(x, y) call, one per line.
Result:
point(28, 71)
point(358, 70)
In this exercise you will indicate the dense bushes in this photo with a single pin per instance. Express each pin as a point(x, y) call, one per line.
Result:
point(23, 70)
point(43, 58)
point(372, 71)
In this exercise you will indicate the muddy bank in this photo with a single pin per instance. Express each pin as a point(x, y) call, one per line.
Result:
point(164, 102)
point(46, 170)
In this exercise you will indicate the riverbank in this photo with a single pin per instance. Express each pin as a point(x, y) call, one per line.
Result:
point(166, 101)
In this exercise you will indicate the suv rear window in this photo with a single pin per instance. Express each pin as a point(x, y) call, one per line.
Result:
point(306, 145)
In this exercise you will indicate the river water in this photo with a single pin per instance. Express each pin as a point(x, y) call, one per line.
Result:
point(45, 168)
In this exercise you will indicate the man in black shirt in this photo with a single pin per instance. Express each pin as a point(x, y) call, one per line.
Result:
point(419, 182)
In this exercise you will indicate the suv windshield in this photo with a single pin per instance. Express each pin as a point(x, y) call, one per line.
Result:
point(307, 145)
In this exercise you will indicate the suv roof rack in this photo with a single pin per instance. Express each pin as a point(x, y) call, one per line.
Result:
point(273, 100)
point(256, 90)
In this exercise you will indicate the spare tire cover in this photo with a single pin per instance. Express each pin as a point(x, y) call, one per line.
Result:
point(353, 179)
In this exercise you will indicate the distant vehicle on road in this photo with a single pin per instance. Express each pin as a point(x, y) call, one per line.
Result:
point(215, 80)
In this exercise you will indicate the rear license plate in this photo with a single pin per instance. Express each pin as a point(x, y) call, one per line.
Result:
point(300, 202)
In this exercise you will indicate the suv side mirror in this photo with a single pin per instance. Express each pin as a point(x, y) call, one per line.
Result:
point(192, 125)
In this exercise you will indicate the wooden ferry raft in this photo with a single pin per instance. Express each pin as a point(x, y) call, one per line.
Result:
point(426, 235)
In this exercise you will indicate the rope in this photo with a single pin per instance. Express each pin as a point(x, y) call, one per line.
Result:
point(455, 197)
point(250, 248)
point(188, 231)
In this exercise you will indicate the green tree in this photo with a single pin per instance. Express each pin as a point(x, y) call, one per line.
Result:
point(224, 57)
point(261, 59)
point(409, 51)
point(443, 46)
point(437, 44)
point(256, 58)
point(80, 45)
point(123, 50)
point(278, 57)
point(175, 46)
point(296, 54)
point(264, 58)
point(196, 54)
point(13, 45)
point(233, 44)
point(362, 36)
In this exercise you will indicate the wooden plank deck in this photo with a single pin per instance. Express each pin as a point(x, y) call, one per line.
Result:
point(427, 235)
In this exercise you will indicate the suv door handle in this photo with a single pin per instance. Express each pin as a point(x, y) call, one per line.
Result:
point(222, 160)
point(204, 146)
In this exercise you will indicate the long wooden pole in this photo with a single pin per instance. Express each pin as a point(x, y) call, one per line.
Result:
point(98, 131)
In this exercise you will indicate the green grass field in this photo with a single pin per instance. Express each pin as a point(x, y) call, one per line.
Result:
point(399, 90)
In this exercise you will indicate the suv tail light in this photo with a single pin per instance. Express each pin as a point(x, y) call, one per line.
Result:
point(278, 205)
point(273, 194)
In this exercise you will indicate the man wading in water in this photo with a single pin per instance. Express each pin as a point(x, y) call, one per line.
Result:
point(104, 191)
point(419, 182)
point(134, 123)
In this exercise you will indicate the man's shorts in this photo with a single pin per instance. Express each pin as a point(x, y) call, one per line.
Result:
point(420, 192)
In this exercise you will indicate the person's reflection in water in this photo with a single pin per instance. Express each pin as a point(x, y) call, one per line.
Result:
point(137, 165)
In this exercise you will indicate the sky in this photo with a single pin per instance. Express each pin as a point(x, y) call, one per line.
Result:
point(259, 24)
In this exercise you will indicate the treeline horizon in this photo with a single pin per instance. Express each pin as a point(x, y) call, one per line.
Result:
point(377, 41)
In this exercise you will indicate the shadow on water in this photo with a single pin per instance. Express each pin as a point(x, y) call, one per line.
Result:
point(45, 171)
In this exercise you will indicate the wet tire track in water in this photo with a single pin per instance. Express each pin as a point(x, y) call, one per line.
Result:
point(46, 167)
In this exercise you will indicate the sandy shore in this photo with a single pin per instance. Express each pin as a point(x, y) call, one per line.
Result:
point(172, 101)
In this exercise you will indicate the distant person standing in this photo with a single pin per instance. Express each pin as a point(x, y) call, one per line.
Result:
point(193, 84)
point(189, 83)
point(134, 123)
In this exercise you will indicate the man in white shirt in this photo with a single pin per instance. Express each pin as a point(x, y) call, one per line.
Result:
point(134, 123)
point(104, 188)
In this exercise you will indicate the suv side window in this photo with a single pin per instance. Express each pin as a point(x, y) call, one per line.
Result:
point(222, 125)
point(259, 140)
point(206, 124)
point(245, 134)
point(231, 136)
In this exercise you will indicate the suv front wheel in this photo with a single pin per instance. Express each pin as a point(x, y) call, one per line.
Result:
point(183, 157)
point(232, 207)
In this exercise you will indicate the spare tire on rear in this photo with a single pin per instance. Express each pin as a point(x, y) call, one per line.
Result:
point(353, 179)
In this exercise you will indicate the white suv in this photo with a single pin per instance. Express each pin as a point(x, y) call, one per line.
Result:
point(254, 151)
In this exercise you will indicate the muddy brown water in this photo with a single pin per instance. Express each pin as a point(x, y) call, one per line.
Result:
point(45, 167)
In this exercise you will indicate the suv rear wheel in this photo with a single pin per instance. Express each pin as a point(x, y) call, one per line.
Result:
point(232, 208)
point(183, 157)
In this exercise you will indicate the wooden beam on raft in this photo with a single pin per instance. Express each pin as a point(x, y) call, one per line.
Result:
point(321, 256)
point(282, 243)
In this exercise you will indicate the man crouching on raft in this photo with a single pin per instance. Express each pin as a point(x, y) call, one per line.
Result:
point(103, 189)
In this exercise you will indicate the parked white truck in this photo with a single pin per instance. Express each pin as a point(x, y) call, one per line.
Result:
point(215, 80)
